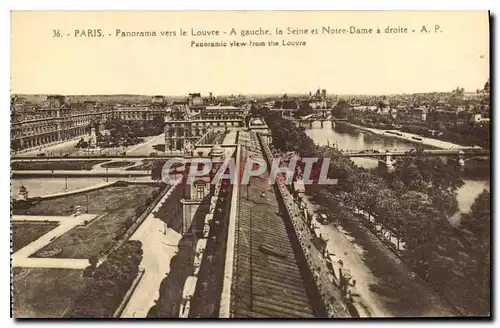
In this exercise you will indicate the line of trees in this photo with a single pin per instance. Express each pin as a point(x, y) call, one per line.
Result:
point(414, 204)
point(119, 128)
point(119, 131)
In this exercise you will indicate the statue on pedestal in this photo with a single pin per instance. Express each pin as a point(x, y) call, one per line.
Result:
point(93, 138)
point(188, 147)
point(23, 193)
point(78, 210)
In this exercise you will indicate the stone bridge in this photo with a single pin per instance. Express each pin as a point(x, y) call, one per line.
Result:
point(388, 158)
point(321, 117)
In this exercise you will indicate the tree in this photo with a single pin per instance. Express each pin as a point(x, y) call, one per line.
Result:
point(438, 125)
point(305, 109)
point(289, 104)
point(478, 223)
point(157, 168)
point(478, 219)
point(341, 109)
point(82, 144)
point(389, 213)
point(421, 230)
point(432, 176)
point(93, 260)
point(156, 126)
point(286, 136)
point(360, 191)
point(94, 123)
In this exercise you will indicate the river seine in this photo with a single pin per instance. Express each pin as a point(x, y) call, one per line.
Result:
point(347, 138)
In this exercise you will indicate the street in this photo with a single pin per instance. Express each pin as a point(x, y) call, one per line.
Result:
point(159, 244)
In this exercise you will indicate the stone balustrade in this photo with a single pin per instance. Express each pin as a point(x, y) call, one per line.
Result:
point(331, 294)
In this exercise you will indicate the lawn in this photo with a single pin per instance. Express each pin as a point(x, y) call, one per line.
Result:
point(99, 201)
point(146, 165)
point(84, 165)
point(44, 293)
point(23, 233)
point(117, 164)
point(121, 203)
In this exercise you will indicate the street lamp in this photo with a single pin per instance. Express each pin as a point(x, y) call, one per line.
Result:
point(251, 261)
point(248, 185)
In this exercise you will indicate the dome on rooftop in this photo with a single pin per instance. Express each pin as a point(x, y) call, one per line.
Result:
point(216, 151)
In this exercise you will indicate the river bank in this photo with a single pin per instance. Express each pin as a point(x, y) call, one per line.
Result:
point(476, 176)
point(414, 138)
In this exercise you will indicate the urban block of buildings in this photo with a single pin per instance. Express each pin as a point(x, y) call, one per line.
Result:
point(58, 119)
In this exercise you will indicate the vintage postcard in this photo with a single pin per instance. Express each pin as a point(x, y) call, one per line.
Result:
point(259, 164)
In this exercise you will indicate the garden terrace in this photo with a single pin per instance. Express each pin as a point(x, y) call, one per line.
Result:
point(119, 206)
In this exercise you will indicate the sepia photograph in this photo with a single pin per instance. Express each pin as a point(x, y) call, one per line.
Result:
point(250, 165)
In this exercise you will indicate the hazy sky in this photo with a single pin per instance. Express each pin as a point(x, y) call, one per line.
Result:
point(342, 64)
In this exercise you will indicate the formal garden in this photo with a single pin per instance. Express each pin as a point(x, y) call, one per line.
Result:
point(77, 165)
point(117, 207)
point(96, 292)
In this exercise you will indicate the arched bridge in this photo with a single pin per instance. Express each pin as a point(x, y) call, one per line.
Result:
point(389, 157)
point(318, 116)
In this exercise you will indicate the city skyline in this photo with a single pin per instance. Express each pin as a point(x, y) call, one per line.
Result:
point(330, 91)
point(269, 94)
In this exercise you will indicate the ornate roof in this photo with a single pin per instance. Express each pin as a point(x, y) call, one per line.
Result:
point(216, 150)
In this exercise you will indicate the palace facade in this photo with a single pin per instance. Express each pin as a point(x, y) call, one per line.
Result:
point(57, 119)
point(182, 128)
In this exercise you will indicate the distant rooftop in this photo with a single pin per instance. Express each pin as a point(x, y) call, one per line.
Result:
point(222, 107)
